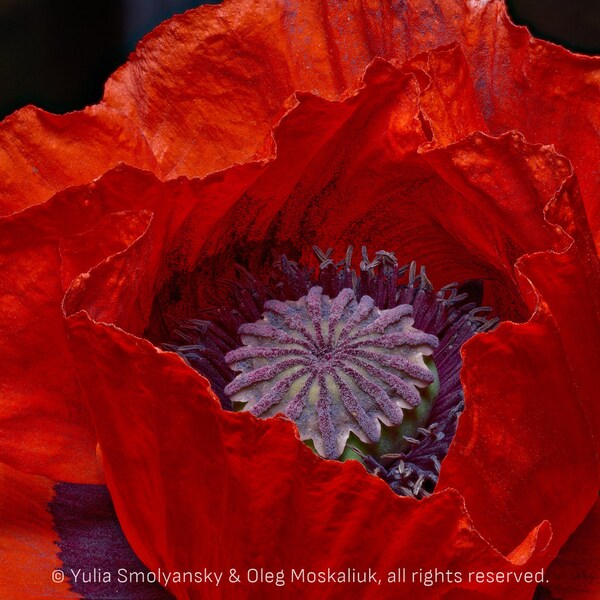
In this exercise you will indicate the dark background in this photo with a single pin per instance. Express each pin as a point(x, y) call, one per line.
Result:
point(57, 54)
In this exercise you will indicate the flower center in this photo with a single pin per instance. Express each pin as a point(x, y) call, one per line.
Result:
point(334, 366)
point(337, 351)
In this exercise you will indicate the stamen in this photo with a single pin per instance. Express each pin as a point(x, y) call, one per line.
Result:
point(334, 350)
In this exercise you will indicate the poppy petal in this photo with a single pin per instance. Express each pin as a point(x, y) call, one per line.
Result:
point(569, 283)
point(167, 130)
point(204, 133)
point(44, 427)
point(111, 235)
point(42, 154)
point(28, 551)
point(501, 452)
point(63, 541)
point(123, 221)
point(548, 93)
point(95, 556)
point(575, 573)
point(521, 83)
point(448, 98)
point(444, 206)
point(242, 478)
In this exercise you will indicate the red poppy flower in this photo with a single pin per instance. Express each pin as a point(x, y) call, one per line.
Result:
point(246, 130)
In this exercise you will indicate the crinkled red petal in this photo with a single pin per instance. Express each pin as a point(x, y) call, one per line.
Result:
point(168, 118)
point(523, 447)
point(44, 427)
point(28, 550)
point(575, 573)
point(125, 222)
point(548, 93)
point(194, 485)
point(540, 89)
point(41, 154)
point(336, 44)
point(95, 557)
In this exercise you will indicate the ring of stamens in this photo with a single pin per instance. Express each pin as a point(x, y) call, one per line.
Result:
point(408, 456)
